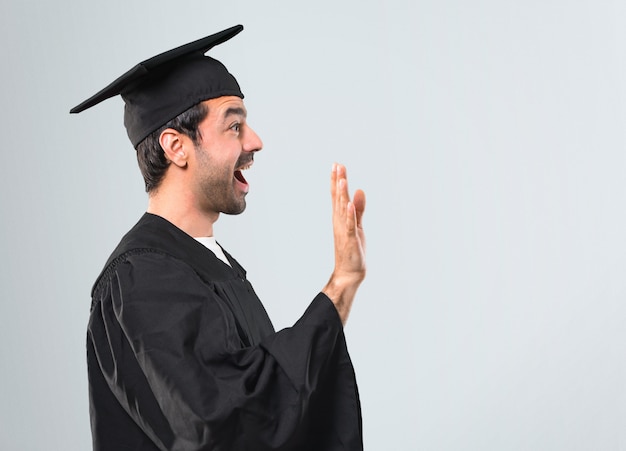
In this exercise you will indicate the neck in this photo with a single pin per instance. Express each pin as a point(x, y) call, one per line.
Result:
point(181, 211)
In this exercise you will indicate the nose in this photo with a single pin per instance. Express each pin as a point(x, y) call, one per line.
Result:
point(252, 142)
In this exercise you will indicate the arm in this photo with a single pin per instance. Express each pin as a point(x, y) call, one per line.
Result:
point(169, 351)
point(349, 237)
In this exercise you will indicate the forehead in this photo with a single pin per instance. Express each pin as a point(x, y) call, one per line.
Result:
point(223, 107)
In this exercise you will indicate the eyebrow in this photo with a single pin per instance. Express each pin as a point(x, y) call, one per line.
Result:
point(235, 111)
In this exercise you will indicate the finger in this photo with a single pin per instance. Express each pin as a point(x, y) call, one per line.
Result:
point(350, 218)
point(336, 194)
point(342, 190)
point(344, 197)
point(342, 173)
point(333, 182)
point(359, 205)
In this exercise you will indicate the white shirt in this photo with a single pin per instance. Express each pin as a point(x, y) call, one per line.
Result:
point(210, 243)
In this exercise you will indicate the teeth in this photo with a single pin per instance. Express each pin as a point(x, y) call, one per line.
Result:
point(243, 168)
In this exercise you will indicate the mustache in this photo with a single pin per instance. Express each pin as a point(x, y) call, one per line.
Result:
point(244, 160)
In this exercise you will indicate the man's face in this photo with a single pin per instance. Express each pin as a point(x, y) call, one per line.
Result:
point(226, 148)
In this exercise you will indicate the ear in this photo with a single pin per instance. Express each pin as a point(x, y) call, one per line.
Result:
point(173, 146)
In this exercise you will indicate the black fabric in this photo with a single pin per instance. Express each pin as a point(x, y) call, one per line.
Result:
point(160, 88)
point(182, 356)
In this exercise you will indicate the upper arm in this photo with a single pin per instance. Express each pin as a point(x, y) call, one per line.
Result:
point(168, 348)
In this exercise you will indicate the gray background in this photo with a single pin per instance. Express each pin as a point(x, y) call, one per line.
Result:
point(489, 136)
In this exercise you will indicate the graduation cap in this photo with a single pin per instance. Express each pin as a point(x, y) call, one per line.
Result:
point(158, 89)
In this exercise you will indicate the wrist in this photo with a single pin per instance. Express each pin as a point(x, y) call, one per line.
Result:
point(341, 291)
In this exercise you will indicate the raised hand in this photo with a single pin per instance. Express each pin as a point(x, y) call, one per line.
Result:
point(349, 238)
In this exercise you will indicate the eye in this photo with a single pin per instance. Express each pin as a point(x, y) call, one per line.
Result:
point(236, 127)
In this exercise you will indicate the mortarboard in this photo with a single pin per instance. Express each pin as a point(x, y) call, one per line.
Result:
point(158, 89)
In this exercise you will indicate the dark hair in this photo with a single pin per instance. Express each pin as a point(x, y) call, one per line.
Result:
point(150, 154)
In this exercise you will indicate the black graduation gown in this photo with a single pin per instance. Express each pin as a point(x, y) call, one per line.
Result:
point(182, 356)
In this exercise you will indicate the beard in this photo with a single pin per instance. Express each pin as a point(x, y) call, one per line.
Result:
point(216, 184)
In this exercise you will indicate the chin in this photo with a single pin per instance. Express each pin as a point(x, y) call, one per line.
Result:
point(235, 209)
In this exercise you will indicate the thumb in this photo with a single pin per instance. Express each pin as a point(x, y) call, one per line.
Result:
point(359, 204)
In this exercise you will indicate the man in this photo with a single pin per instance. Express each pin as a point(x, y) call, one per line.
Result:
point(181, 353)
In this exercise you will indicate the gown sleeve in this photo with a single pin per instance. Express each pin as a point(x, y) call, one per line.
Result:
point(169, 351)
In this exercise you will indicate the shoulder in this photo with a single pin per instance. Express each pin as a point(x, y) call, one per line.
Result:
point(152, 294)
point(149, 271)
point(153, 264)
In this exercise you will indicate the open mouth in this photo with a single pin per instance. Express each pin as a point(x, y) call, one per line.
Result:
point(239, 172)
point(239, 176)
